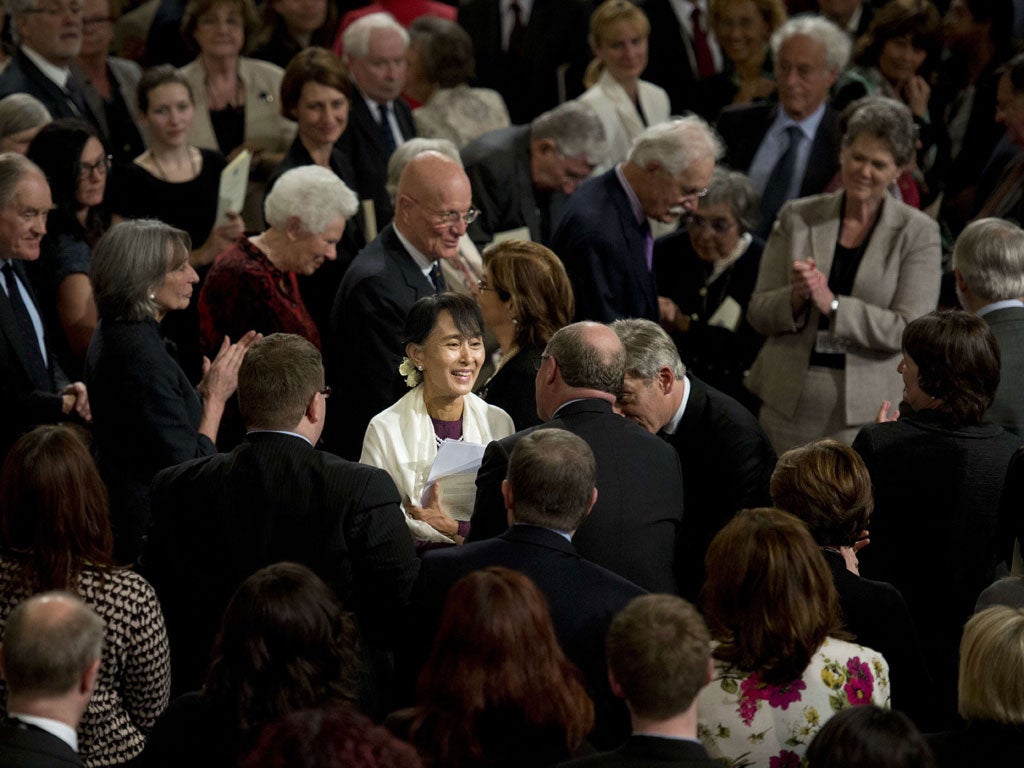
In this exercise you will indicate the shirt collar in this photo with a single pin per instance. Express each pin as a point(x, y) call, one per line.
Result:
point(634, 201)
point(424, 264)
point(62, 731)
point(59, 75)
point(673, 425)
point(808, 126)
point(279, 432)
point(997, 305)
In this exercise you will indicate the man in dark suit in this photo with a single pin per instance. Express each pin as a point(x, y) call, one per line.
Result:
point(634, 529)
point(50, 37)
point(218, 519)
point(33, 387)
point(50, 660)
point(548, 492)
point(604, 238)
point(434, 207)
point(726, 457)
point(791, 149)
point(379, 120)
point(673, 61)
point(521, 175)
point(988, 265)
point(659, 659)
point(533, 52)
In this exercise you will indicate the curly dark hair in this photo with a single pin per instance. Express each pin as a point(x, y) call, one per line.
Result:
point(284, 644)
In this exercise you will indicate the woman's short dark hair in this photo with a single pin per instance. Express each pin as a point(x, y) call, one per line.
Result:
point(338, 737)
point(769, 596)
point(958, 362)
point(273, 27)
point(826, 484)
point(869, 737)
point(54, 508)
point(199, 8)
point(533, 277)
point(424, 313)
point(898, 18)
point(312, 65)
point(495, 651)
point(57, 150)
point(737, 191)
point(446, 51)
point(153, 78)
point(284, 644)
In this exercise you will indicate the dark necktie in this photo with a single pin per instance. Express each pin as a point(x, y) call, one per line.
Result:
point(387, 138)
point(77, 95)
point(776, 191)
point(517, 38)
point(37, 369)
point(701, 49)
point(437, 278)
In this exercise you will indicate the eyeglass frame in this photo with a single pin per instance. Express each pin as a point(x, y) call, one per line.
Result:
point(101, 166)
point(696, 221)
point(449, 218)
point(540, 361)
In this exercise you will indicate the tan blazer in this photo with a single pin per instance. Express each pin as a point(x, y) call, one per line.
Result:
point(896, 282)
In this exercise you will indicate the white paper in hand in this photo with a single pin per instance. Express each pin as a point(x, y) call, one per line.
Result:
point(234, 180)
point(455, 469)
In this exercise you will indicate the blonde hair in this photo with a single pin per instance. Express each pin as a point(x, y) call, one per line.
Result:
point(605, 16)
point(991, 685)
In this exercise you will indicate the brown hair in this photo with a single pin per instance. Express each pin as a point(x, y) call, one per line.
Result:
point(54, 507)
point(958, 362)
point(198, 8)
point(897, 18)
point(769, 597)
point(312, 65)
point(533, 277)
point(826, 484)
point(496, 652)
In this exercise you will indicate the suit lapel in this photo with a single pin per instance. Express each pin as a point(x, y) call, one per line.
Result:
point(524, 183)
point(825, 234)
point(634, 241)
point(411, 274)
point(9, 324)
point(879, 250)
point(56, 93)
point(93, 100)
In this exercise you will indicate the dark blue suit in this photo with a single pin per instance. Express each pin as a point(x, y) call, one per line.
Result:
point(583, 598)
point(602, 246)
point(26, 746)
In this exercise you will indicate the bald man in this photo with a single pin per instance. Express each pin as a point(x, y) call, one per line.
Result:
point(433, 206)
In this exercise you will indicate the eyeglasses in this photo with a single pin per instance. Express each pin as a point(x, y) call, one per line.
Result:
point(540, 361)
point(482, 286)
point(449, 218)
point(689, 193)
point(719, 226)
point(326, 392)
point(57, 9)
point(94, 21)
point(101, 166)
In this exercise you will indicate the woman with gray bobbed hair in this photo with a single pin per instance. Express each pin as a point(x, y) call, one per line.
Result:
point(21, 118)
point(146, 414)
point(842, 275)
point(254, 283)
point(705, 273)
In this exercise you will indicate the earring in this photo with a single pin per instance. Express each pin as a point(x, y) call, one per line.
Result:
point(419, 367)
point(152, 297)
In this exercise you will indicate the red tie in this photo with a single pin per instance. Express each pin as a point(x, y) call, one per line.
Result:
point(701, 49)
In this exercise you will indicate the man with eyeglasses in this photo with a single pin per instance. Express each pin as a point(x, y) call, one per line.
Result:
point(217, 519)
point(33, 388)
point(49, 37)
point(433, 208)
point(604, 237)
point(522, 175)
point(791, 149)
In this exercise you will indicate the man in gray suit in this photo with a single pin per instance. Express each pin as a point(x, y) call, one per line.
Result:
point(50, 659)
point(521, 175)
point(988, 263)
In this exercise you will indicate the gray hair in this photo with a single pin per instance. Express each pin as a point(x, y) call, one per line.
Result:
point(576, 130)
point(582, 365)
point(15, 9)
point(49, 642)
point(885, 119)
point(356, 38)
point(410, 149)
point(737, 191)
point(130, 261)
point(836, 42)
point(676, 144)
point(13, 168)
point(552, 474)
point(21, 112)
point(313, 194)
point(990, 255)
point(648, 349)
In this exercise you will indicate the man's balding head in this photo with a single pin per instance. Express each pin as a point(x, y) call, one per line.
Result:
point(432, 201)
point(582, 360)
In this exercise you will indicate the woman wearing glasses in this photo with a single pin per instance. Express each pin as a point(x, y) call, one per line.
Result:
point(76, 163)
point(444, 350)
point(705, 273)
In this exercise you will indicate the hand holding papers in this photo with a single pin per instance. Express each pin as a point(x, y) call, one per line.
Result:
point(455, 470)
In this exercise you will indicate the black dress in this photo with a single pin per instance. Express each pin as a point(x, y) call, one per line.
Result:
point(512, 390)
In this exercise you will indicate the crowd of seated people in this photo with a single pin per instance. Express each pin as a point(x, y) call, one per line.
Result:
point(747, 252)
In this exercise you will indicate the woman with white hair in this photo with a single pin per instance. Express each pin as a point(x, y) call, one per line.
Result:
point(254, 284)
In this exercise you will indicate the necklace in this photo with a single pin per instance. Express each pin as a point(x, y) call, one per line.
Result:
point(163, 173)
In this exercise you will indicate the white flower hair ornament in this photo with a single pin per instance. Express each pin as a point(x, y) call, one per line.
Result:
point(410, 372)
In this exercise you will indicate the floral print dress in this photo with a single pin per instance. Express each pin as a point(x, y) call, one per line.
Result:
point(750, 723)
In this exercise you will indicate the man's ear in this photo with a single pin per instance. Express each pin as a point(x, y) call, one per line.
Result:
point(544, 146)
point(666, 379)
point(960, 282)
point(87, 683)
point(614, 685)
point(591, 503)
